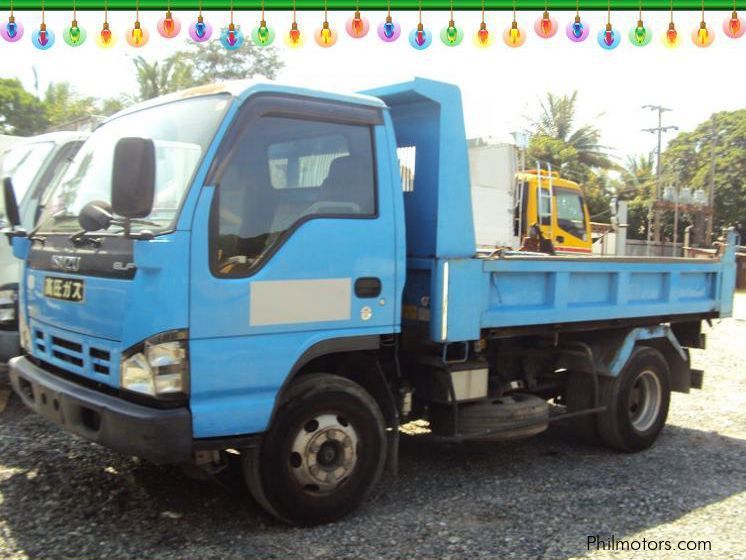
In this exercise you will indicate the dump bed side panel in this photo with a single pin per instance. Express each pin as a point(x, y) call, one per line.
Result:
point(460, 298)
point(542, 291)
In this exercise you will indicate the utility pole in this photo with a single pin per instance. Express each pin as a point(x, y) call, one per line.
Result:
point(659, 130)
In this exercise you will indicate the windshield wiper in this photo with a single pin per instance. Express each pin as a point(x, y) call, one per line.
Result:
point(88, 237)
point(140, 222)
point(82, 236)
point(63, 214)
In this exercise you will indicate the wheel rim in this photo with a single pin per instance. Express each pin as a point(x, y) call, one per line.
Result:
point(324, 453)
point(644, 400)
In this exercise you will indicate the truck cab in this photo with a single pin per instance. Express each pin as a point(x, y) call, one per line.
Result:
point(558, 206)
point(510, 204)
point(35, 165)
point(293, 233)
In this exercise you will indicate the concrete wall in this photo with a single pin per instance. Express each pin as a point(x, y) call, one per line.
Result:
point(638, 248)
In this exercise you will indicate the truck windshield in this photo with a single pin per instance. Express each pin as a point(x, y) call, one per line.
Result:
point(570, 214)
point(22, 164)
point(181, 130)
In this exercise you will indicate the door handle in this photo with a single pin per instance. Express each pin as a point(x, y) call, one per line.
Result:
point(368, 287)
point(560, 239)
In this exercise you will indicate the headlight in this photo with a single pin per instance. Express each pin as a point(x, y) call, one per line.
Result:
point(159, 367)
point(8, 306)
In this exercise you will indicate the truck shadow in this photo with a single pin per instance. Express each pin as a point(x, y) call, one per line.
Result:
point(547, 495)
point(63, 497)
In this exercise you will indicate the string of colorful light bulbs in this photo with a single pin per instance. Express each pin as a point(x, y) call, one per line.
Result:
point(357, 26)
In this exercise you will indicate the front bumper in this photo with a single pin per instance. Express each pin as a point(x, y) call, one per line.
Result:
point(10, 345)
point(161, 436)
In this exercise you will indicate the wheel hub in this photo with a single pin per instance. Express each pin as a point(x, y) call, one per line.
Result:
point(328, 454)
point(644, 400)
point(324, 453)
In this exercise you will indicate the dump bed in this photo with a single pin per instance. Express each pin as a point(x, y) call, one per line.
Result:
point(460, 299)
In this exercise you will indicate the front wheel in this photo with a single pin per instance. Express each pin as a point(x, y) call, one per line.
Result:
point(323, 455)
point(636, 401)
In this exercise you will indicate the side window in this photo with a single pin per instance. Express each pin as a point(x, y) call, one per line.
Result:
point(407, 159)
point(545, 206)
point(282, 172)
point(304, 163)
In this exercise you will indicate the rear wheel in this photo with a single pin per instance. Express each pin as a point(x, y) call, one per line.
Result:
point(322, 456)
point(636, 401)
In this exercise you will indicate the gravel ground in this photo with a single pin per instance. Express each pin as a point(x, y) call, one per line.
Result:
point(61, 497)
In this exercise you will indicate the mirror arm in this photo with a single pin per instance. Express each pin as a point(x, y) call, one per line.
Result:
point(15, 232)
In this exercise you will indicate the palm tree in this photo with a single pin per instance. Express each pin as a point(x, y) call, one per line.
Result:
point(637, 186)
point(158, 78)
point(557, 120)
point(638, 176)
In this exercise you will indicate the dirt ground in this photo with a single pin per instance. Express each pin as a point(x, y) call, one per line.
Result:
point(548, 497)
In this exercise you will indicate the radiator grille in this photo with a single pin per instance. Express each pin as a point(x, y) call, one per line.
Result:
point(74, 353)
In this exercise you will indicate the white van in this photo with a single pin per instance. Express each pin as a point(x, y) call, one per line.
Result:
point(34, 164)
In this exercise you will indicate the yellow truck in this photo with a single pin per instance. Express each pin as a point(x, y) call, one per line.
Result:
point(511, 204)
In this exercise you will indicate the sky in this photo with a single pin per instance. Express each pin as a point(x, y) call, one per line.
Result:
point(500, 85)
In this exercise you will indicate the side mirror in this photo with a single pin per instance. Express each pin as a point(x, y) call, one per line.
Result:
point(12, 214)
point(133, 178)
point(95, 216)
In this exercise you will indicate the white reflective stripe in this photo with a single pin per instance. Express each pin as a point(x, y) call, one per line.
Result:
point(286, 302)
point(444, 305)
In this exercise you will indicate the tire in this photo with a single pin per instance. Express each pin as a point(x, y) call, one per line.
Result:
point(516, 416)
point(636, 401)
point(505, 418)
point(322, 456)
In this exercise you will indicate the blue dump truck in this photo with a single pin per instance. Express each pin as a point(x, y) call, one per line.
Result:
point(236, 271)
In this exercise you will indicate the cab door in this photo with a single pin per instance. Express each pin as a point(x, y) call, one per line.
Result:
point(571, 227)
point(293, 250)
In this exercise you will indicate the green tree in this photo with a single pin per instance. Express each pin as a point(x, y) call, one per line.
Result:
point(201, 64)
point(21, 113)
point(212, 63)
point(112, 105)
point(548, 149)
point(638, 184)
point(688, 161)
point(64, 106)
point(639, 173)
point(598, 190)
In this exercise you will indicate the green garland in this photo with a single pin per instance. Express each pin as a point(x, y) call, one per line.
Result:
point(369, 5)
